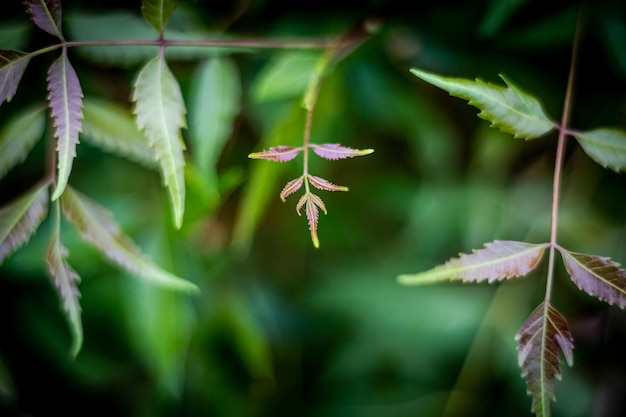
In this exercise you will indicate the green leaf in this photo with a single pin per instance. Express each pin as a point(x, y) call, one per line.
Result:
point(598, 276)
point(66, 282)
point(160, 112)
point(113, 128)
point(66, 103)
point(541, 339)
point(157, 12)
point(508, 108)
point(96, 226)
point(215, 102)
point(287, 75)
point(499, 260)
point(19, 135)
point(20, 219)
point(606, 146)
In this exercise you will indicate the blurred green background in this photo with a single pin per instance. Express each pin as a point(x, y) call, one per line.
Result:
point(281, 328)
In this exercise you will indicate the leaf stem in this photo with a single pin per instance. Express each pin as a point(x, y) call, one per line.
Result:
point(560, 151)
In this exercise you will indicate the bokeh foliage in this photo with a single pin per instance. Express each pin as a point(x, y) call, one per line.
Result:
point(279, 327)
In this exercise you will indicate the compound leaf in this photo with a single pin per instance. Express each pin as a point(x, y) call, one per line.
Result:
point(12, 67)
point(598, 276)
point(66, 101)
point(542, 338)
point(157, 12)
point(160, 112)
point(499, 260)
point(606, 146)
point(18, 137)
point(113, 128)
point(508, 108)
point(20, 218)
point(47, 15)
point(66, 282)
point(96, 226)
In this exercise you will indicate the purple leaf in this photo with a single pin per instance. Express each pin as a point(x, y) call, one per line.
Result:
point(280, 153)
point(66, 281)
point(322, 184)
point(499, 260)
point(542, 338)
point(20, 219)
point(12, 67)
point(597, 276)
point(334, 151)
point(66, 100)
point(47, 15)
point(291, 187)
point(311, 203)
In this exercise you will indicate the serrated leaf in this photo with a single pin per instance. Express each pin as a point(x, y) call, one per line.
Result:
point(215, 104)
point(66, 281)
point(160, 112)
point(291, 187)
point(335, 151)
point(281, 153)
point(499, 260)
point(311, 202)
point(47, 15)
point(113, 128)
point(12, 67)
point(157, 12)
point(508, 108)
point(97, 226)
point(606, 146)
point(18, 137)
point(542, 338)
point(20, 218)
point(598, 276)
point(66, 101)
point(286, 75)
point(322, 184)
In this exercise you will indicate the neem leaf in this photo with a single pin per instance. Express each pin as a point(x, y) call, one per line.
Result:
point(542, 338)
point(280, 153)
point(291, 187)
point(113, 128)
point(157, 12)
point(47, 15)
point(508, 108)
point(311, 203)
point(215, 103)
point(12, 67)
point(20, 218)
point(160, 112)
point(598, 276)
point(335, 151)
point(66, 282)
point(18, 137)
point(66, 101)
point(499, 260)
point(606, 146)
point(322, 184)
point(96, 226)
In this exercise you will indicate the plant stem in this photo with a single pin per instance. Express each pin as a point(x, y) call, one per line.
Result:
point(560, 151)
